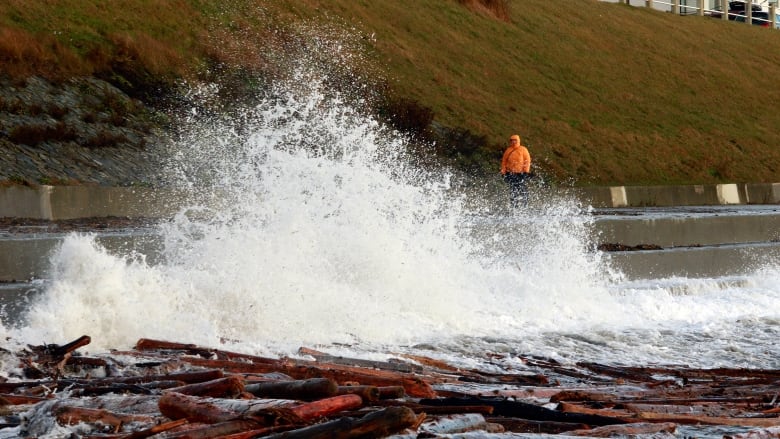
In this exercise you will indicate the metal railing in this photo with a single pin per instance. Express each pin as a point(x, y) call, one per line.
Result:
point(716, 10)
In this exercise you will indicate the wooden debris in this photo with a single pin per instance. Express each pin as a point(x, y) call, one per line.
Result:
point(766, 433)
point(179, 390)
point(310, 389)
point(626, 430)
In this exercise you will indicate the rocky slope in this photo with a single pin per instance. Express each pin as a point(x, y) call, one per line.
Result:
point(83, 131)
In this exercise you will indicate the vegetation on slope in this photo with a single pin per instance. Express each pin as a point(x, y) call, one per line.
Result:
point(602, 93)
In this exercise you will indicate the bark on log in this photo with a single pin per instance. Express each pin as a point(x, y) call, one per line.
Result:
point(627, 430)
point(519, 425)
point(765, 433)
point(378, 424)
point(305, 390)
point(178, 406)
point(391, 392)
point(218, 430)
point(710, 420)
point(609, 412)
point(459, 424)
point(703, 409)
point(8, 399)
point(323, 357)
point(260, 432)
point(86, 361)
point(517, 409)
point(227, 387)
point(146, 344)
point(141, 434)
point(326, 407)
point(55, 353)
point(67, 415)
point(140, 388)
point(368, 393)
point(186, 377)
point(207, 410)
point(440, 409)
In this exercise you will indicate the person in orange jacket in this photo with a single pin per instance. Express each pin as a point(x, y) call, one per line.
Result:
point(516, 168)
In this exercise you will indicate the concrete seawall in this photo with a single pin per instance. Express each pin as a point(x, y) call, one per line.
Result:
point(68, 202)
point(691, 195)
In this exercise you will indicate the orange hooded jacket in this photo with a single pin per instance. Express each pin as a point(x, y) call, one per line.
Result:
point(516, 158)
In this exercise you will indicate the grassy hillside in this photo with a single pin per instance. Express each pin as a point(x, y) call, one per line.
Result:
point(602, 93)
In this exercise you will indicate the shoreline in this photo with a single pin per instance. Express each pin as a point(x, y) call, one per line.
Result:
point(185, 389)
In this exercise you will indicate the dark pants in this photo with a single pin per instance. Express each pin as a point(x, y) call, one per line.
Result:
point(518, 188)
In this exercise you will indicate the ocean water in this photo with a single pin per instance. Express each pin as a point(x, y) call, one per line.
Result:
point(311, 225)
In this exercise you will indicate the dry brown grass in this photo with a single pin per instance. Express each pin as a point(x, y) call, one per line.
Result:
point(23, 54)
point(34, 134)
point(157, 57)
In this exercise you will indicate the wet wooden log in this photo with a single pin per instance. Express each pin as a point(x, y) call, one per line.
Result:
point(140, 434)
point(55, 353)
point(519, 425)
point(146, 344)
point(517, 409)
point(218, 430)
point(367, 393)
point(188, 377)
point(765, 433)
point(305, 390)
point(440, 409)
point(627, 430)
point(9, 399)
point(459, 423)
point(86, 361)
point(378, 424)
point(326, 407)
point(396, 366)
point(260, 432)
point(391, 392)
point(626, 415)
point(265, 412)
point(699, 409)
point(712, 374)
point(179, 406)
point(50, 359)
point(433, 363)
point(67, 415)
point(227, 387)
point(710, 420)
point(122, 388)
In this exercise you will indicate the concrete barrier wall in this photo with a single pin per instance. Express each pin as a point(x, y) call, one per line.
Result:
point(68, 202)
point(691, 195)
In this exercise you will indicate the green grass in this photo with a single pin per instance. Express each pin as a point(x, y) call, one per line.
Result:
point(602, 93)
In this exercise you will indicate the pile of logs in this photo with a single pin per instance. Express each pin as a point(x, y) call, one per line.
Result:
point(164, 389)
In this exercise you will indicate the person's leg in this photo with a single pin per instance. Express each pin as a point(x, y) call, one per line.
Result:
point(514, 189)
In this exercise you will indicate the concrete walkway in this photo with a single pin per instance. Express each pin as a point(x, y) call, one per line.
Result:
point(69, 202)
